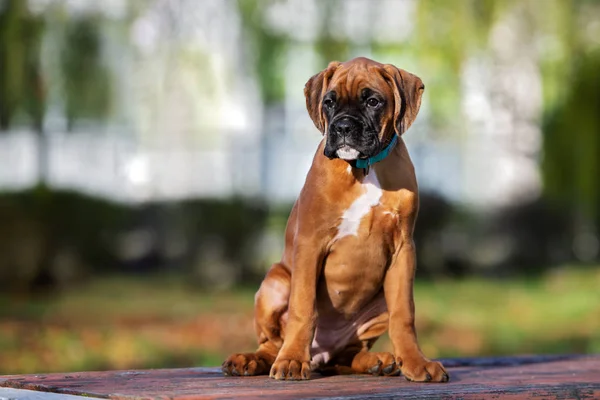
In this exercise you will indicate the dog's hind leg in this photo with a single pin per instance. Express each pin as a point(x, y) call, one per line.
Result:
point(356, 358)
point(270, 316)
point(378, 364)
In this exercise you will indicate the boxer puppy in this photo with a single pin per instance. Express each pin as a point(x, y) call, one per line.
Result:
point(349, 261)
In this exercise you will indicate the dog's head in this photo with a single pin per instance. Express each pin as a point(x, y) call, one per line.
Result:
point(360, 104)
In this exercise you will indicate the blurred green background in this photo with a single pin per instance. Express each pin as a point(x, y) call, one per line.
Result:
point(150, 152)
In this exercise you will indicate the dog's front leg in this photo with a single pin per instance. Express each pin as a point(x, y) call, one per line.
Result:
point(293, 360)
point(398, 287)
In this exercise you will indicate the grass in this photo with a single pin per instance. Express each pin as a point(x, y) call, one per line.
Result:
point(122, 323)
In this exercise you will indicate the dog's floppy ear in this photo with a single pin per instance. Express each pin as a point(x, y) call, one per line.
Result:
point(314, 91)
point(408, 90)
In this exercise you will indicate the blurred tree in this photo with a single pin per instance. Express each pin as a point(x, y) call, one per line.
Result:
point(22, 91)
point(23, 102)
point(22, 87)
point(571, 154)
point(328, 47)
point(268, 49)
point(571, 126)
point(23, 95)
point(267, 54)
point(87, 81)
point(446, 34)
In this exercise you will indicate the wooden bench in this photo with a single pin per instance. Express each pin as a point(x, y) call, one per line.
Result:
point(564, 377)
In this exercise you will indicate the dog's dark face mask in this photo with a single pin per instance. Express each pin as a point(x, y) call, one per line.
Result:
point(359, 105)
point(355, 124)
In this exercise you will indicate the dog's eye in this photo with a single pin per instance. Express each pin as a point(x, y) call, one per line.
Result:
point(328, 103)
point(373, 102)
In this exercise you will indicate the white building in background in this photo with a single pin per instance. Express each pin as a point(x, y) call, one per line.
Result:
point(190, 120)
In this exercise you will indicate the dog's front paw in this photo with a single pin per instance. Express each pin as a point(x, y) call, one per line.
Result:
point(291, 370)
point(247, 364)
point(423, 370)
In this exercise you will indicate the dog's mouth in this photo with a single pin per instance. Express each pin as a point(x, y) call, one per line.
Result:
point(351, 146)
point(347, 153)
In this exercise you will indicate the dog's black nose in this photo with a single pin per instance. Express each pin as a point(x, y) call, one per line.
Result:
point(345, 126)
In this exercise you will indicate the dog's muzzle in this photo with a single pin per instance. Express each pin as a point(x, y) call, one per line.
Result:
point(343, 133)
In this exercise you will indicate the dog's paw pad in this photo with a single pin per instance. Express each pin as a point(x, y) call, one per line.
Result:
point(291, 370)
point(423, 370)
point(376, 369)
point(391, 369)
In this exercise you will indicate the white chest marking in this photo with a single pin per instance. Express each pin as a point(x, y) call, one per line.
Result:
point(360, 207)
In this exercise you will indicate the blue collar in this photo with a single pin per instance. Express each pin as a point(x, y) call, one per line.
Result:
point(362, 163)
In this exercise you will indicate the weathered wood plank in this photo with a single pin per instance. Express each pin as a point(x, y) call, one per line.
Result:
point(22, 394)
point(566, 377)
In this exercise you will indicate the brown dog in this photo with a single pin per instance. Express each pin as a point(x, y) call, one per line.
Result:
point(349, 262)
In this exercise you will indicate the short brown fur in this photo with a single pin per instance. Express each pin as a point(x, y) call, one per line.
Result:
point(331, 297)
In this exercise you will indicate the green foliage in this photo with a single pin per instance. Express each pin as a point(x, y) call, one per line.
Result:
point(327, 46)
point(155, 322)
point(41, 226)
point(267, 49)
point(22, 89)
point(87, 82)
point(446, 34)
point(572, 142)
point(50, 224)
